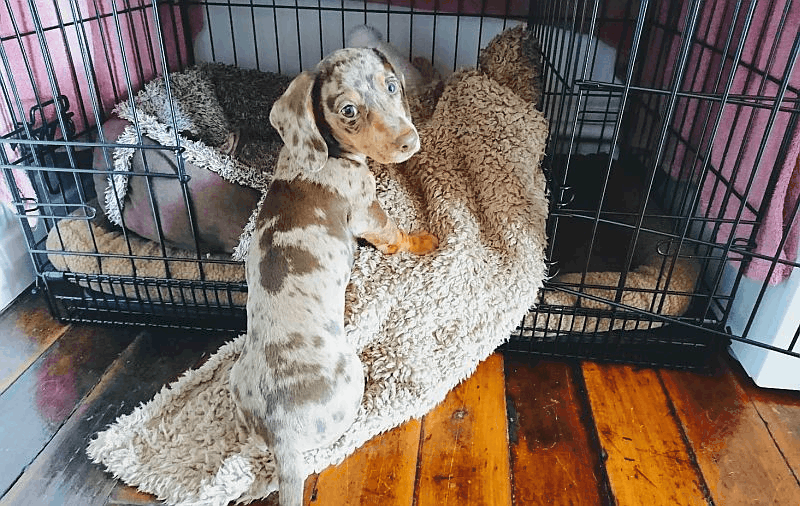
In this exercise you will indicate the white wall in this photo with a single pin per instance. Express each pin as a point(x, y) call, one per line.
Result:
point(257, 48)
point(16, 267)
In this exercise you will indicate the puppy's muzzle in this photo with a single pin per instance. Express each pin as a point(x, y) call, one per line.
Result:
point(405, 145)
point(407, 142)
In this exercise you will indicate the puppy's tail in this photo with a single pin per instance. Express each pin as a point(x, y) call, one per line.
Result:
point(291, 477)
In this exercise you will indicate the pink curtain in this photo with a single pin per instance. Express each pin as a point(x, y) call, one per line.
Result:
point(768, 180)
point(110, 40)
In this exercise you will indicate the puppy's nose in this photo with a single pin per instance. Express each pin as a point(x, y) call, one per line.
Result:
point(407, 141)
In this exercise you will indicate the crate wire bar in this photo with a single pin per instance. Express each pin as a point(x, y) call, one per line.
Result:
point(697, 100)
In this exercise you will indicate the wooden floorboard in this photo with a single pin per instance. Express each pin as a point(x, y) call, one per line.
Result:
point(36, 405)
point(737, 455)
point(518, 432)
point(380, 472)
point(464, 450)
point(647, 461)
point(780, 411)
point(553, 457)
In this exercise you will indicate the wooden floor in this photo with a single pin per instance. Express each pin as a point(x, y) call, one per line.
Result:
point(520, 431)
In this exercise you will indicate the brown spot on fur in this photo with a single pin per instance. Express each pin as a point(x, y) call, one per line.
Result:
point(293, 204)
point(307, 390)
point(304, 380)
point(313, 296)
point(341, 364)
point(282, 356)
point(386, 65)
point(294, 369)
point(294, 341)
point(297, 108)
point(331, 103)
point(317, 144)
point(280, 261)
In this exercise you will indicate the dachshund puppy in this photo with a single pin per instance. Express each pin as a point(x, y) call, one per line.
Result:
point(298, 383)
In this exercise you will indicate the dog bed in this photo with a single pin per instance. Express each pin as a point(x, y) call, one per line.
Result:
point(422, 324)
point(93, 233)
point(221, 115)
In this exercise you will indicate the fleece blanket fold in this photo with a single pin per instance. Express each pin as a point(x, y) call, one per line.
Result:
point(422, 324)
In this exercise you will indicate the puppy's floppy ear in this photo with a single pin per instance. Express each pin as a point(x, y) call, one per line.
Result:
point(292, 115)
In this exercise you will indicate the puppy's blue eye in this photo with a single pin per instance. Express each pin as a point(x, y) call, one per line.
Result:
point(349, 111)
point(392, 87)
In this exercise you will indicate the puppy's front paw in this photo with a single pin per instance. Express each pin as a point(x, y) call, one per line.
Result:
point(421, 243)
point(388, 249)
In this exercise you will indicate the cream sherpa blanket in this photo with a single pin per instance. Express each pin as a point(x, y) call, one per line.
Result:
point(422, 324)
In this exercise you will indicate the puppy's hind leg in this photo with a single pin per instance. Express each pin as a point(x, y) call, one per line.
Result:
point(291, 479)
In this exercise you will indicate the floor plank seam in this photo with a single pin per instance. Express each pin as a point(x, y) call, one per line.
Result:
point(417, 476)
point(742, 380)
point(686, 442)
point(313, 494)
point(512, 428)
point(25, 469)
point(587, 417)
point(775, 441)
point(10, 487)
point(103, 375)
point(507, 433)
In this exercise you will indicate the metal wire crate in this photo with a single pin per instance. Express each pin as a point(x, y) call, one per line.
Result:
point(698, 101)
point(651, 95)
